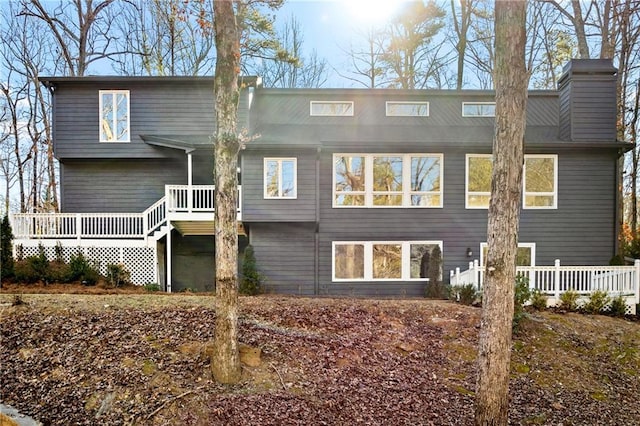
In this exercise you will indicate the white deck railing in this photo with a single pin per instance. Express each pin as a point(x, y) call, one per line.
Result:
point(178, 199)
point(201, 198)
point(555, 280)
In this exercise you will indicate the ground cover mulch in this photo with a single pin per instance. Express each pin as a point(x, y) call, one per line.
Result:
point(144, 359)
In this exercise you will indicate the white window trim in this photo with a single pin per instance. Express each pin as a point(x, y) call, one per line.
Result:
point(477, 103)
point(406, 182)
point(113, 93)
point(387, 103)
point(554, 194)
point(467, 193)
point(532, 246)
point(295, 178)
point(311, 103)
point(368, 260)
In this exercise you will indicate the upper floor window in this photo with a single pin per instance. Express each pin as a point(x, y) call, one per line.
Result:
point(387, 180)
point(407, 109)
point(540, 181)
point(331, 108)
point(383, 260)
point(280, 177)
point(478, 109)
point(114, 116)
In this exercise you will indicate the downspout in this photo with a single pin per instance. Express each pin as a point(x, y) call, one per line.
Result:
point(316, 283)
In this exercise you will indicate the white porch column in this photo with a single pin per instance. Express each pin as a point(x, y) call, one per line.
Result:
point(189, 182)
point(168, 277)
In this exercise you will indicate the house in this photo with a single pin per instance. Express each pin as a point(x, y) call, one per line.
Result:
point(344, 192)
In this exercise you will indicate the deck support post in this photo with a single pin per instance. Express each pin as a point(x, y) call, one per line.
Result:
point(190, 182)
point(168, 260)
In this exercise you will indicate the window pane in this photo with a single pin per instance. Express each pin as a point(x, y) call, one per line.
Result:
point(271, 178)
point(523, 256)
point(387, 173)
point(480, 174)
point(349, 200)
point(539, 176)
point(478, 200)
point(349, 261)
point(538, 200)
point(425, 173)
point(106, 117)
point(332, 108)
point(122, 119)
point(349, 173)
point(288, 178)
point(420, 256)
point(387, 261)
point(408, 109)
point(387, 200)
point(479, 110)
point(425, 200)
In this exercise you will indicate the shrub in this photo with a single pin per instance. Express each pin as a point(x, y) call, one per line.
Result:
point(23, 271)
point(618, 307)
point(538, 300)
point(598, 301)
point(118, 275)
point(58, 272)
point(6, 248)
point(569, 300)
point(251, 282)
point(465, 294)
point(152, 287)
point(83, 270)
point(521, 295)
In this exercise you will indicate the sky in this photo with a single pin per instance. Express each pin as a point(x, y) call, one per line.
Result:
point(331, 26)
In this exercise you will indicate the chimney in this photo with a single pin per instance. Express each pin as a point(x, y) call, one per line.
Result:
point(588, 100)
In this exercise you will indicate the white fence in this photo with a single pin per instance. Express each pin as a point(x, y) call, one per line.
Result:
point(555, 280)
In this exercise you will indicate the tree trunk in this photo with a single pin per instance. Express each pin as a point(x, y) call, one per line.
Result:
point(511, 78)
point(225, 361)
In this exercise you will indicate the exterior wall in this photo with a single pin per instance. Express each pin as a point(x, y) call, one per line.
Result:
point(118, 186)
point(255, 208)
point(169, 106)
point(285, 256)
point(192, 263)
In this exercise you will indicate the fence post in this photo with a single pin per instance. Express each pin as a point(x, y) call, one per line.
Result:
point(636, 264)
point(457, 275)
point(556, 279)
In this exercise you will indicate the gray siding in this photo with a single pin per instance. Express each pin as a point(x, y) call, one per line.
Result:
point(193, 263)
point(285, 256)
point(117, 186)
point(255, 208)
point(170, 107)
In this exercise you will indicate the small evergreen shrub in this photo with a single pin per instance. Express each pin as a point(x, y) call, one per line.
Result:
point(598, 301)
point(118, 275)
point(6, 248)
point(538, 300)
point(151, 287)
point(251, 282)
point(569, 300)
point(618, 307)
point(465, 294)
point(521, 295)
point(82, 270)
point(58, 272)
point(23, 271)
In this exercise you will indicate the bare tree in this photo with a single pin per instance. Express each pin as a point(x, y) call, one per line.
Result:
point(366, 65)
point(462, 13)
point(225, 361)
point(511, 80)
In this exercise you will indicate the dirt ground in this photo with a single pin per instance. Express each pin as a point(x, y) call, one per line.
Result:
point(141, 358)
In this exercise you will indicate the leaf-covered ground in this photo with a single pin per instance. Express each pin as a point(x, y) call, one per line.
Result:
point(143, 359)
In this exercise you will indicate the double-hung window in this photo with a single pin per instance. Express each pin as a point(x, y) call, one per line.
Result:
point(387, 180)
point(280, 179)
point(383, 260)
point(540, 181)
point(114, 116)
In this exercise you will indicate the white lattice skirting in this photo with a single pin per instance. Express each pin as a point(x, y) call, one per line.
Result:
point(141, 261)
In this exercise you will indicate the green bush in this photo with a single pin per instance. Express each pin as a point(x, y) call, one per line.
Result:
point(618, 307)
point(251, 282)
point(6, 248)
point(23, 271)
point(151, 287)
point(598, 301)
point(521, 295)
point(538, 300)
point(118, 275)
point(465, 294)
point(569, 300)
point(82, 270)
point(58, 272)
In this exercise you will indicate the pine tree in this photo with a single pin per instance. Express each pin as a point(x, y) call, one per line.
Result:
point(6, 249)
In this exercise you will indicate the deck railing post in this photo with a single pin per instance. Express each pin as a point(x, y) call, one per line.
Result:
point(476, 274)
point(79, 227)
point(457, 275)
point(556, 279)
point(636, 264)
